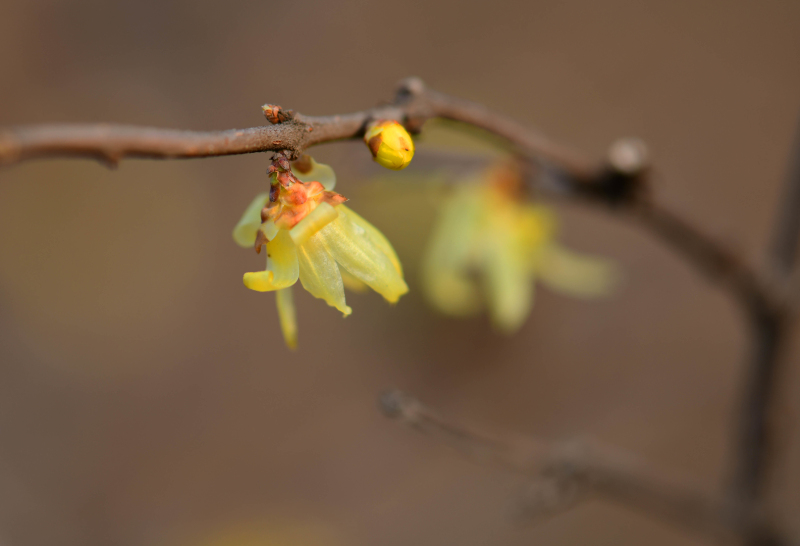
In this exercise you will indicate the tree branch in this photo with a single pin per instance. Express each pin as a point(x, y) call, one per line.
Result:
point(715, 260)
point(755, 435)
point(602, 182)
point(787, 226)
point(563, 474)
point(413, 105)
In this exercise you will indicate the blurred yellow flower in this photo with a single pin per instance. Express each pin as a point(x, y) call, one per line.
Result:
point(311, 236)
point(489, 246)
point(390, 144)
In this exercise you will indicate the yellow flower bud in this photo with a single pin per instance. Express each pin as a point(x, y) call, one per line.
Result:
point(390, 144)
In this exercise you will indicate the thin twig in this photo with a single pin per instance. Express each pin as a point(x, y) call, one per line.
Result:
point(564, 474)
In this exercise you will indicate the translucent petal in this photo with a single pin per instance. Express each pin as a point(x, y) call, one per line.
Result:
point(260, 281)
point(361, 249)
point(282, 267)
point(447, 259)
point(453, 294)
point(575, 274)
point(287, 316)
point(352, 283)
point(509, 285)
point(315, 221)
point(537, 225)
point(320, 173)
point(374, 235)
point(319, 273)
point(245, 231)
point(270, 229)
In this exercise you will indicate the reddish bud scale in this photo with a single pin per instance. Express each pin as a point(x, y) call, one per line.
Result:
point(295, 200)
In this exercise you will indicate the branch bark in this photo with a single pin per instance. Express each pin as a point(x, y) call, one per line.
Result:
point(413, 105)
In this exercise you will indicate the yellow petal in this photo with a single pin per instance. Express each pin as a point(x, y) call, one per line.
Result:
point(245, 231)
point(287, 316)
point(260, 281)
point(509, 283)
point(282, 267)
point(319, 273)
point(319, 173)
point(446, 264)
point(352, 283)
point(361, 249)
point(575, 274)
point(393, 158)
point(374, 235)
point(315, 221)
point(537, 225)
point(270, 229)
point(453, 294)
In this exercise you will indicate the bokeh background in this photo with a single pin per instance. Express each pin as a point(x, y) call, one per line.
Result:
point(146, 397)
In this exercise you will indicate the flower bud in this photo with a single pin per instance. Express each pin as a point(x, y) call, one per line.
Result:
point(276, 114)
point(390, 144)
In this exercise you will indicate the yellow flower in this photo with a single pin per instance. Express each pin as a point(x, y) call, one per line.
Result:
point(390, 144)
point(311, 236)
point(489, 246)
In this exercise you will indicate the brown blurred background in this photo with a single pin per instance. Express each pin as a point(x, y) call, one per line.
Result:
point(146, 397)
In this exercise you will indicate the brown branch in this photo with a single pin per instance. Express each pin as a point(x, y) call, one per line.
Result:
point(414, 104)
point(565, 474)
point(112, 143)
point(604, 182)
point(787, 226)
point(755, 435)
point(715, 260)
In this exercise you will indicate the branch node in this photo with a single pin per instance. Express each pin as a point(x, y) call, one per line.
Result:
point(622, 179)
point(396, 404)
point(548, 494)
point(275, 114)
point(410, 87)
point(111, 161)
point(629, 156)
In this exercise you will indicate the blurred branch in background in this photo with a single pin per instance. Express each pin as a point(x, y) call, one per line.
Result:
point(564, 474)
point(770, 328)
point(620, 183)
